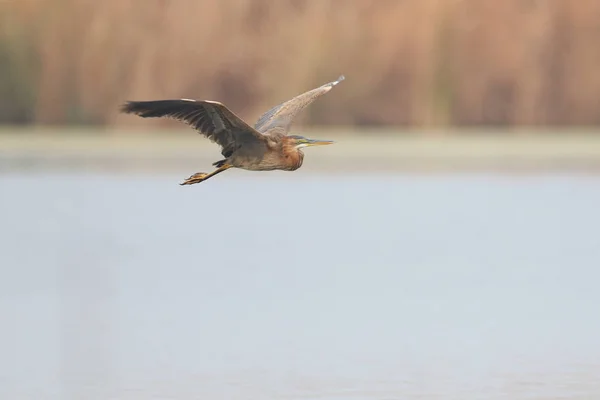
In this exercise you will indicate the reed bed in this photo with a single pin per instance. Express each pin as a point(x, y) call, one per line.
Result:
point(418, 63)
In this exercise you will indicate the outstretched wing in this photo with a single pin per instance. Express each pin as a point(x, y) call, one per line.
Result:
point(278, 119)
point(212, 119)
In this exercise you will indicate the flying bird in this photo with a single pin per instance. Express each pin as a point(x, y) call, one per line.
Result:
point(267, 146)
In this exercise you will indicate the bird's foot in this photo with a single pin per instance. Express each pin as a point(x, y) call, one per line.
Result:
point(196, 178)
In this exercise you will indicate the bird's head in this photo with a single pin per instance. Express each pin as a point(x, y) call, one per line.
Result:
point(300, 141)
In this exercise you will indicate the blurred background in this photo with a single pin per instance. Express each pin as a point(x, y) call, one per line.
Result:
point(408, 63)
point(446, 247)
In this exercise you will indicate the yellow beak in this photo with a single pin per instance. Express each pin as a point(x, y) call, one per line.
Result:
point(312, 142)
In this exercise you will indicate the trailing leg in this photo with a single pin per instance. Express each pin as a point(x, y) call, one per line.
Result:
point(201, 176)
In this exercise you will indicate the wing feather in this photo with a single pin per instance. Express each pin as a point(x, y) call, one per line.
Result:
point(279, 119)
point(210, 118)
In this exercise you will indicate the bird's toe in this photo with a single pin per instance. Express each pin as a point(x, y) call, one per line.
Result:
point(196, 178)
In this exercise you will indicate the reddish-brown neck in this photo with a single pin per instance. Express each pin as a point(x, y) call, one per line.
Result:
point(292, 156)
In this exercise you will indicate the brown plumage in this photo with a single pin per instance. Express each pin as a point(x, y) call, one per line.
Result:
point(266, 146)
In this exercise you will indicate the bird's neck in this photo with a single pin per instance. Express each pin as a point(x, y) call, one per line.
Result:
point(300, 157)
point(294, 157)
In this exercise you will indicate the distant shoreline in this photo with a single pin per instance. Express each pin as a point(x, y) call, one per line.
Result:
point(368, 151)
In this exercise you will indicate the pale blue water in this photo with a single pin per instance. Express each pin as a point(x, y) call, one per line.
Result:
point(299, 286)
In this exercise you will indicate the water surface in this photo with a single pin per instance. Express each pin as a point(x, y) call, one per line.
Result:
point(299, 286)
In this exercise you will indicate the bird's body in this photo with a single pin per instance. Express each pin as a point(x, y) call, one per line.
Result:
point(265, 147)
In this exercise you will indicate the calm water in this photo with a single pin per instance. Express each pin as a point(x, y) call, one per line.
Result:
point(293, 286)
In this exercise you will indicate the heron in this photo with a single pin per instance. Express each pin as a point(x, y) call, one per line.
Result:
point(267, 146)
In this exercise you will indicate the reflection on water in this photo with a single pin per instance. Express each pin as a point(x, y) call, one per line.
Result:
point(297, 286)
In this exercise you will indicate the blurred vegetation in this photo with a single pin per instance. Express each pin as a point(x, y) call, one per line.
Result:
point(18, 72)
point(407, 62)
